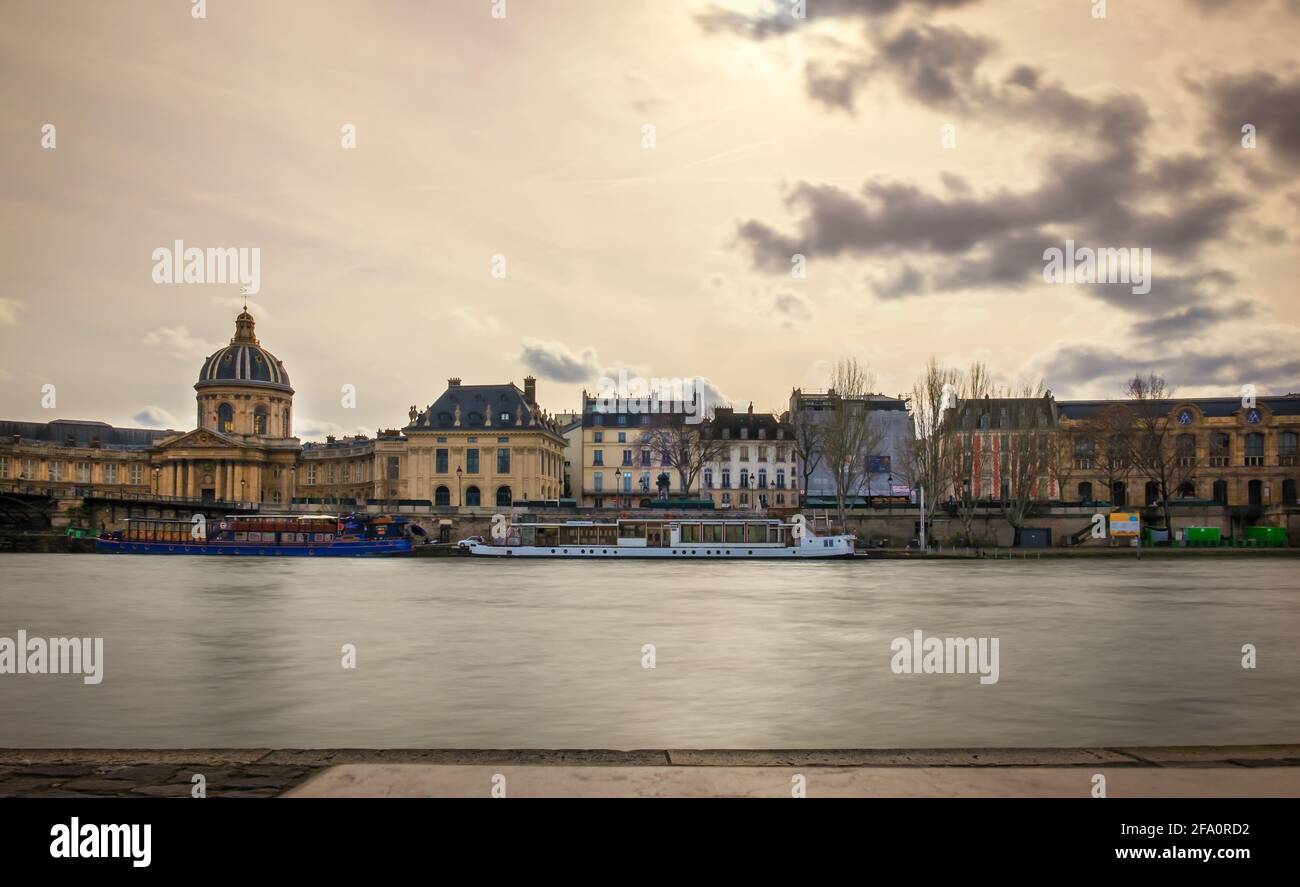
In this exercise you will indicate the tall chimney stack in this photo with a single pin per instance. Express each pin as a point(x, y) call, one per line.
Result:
point(453, 382)
point(530, 390)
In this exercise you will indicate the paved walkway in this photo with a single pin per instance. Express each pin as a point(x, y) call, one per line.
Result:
point(257, 773)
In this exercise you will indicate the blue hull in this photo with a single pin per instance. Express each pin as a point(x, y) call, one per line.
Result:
point(366, 548)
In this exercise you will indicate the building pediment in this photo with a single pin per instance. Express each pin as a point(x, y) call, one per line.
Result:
point(204, 438)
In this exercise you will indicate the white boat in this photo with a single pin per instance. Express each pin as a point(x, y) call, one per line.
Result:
point(684, 538)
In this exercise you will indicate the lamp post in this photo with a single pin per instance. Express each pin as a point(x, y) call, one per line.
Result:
point(293, 484)
point(242, 485)
point(156, 472)
point(459, 500)
point(753, 487)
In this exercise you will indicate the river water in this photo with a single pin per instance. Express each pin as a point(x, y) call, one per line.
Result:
point(487, 654)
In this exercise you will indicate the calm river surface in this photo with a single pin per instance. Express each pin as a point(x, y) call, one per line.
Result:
point(466, 653)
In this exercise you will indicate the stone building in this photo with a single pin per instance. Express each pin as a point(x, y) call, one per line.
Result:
point(756, 469)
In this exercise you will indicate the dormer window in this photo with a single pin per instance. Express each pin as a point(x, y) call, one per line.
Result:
point(504, 416)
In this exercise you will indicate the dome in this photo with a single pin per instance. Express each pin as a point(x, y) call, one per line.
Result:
point(244, 361)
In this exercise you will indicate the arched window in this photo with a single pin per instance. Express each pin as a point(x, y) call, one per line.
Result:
point(225, 417)
point(1085, 492)
point(1221, 492)
point(1255, 492)
point(503, 496)
point(442, 496)
point(261, 421)
point(1187, 490)
point(472, 497)
point(1185, 450)
point(1119, 494)
point(1152, 492)
point(708, 478)
point(1288, 491)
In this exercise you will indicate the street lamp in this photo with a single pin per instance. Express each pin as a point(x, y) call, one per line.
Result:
point(156, 472)
point(753, 486)
point(242, 485)
point(459, 501)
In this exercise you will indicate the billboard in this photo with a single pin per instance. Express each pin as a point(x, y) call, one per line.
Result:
point(1124, 524)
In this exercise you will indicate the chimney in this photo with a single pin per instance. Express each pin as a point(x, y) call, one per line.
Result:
point(530, 391)
point(453, 382)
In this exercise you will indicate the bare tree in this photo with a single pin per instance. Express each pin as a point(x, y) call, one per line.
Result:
point(1027, 447)
point(687, 449)
point(809, 433)
point(1108, 451)
point(1154, 442)
point(925, 459)
point(852, 431)
point(961, 444)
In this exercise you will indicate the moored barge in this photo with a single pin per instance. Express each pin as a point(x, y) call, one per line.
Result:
point(683, 538)
point(265, 535)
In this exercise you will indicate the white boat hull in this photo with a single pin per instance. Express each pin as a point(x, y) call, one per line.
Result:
point(837, 546)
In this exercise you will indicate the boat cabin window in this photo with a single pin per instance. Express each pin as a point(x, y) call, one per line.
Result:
point(631, 531)
point(690, 532)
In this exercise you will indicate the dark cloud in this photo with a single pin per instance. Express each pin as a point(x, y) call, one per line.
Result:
point(1190, 321)
point(1087, 369)
point(556, 362)
point(779, 19)
point(1263, 100)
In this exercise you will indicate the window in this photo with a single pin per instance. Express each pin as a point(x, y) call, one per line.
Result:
point(762, 478)
point(261, 420)
point(394, 467)
point(1288, 491)
point(1220, 449)
point(504, 496)
point(744, 478)
point(1221, 492)
point(440, 461)
point(503, 416)
point(225, 417)
point(1085, 492)
point(762, 454)
point(622, 437)
point(503, 461)
point(54, 470)
point(4, 467)
point(137, 473)
point(708, 478)
point(1084, 452)
point(598, 437)
point(726, 478)
point(472, 497)
point(1185, 450)
point(1286, 449)
point(780, 483)
point(627, 457)
point(29, 470)
point(627, 481)
point(599, 481)
point(1254, 449)
point(744, 457)
point(471, 461)
point(645, 458)
point(311, 475)
point(110, 473)
point(329, 473)
point(1187, 490)
point(83, 472)
point(597, 457)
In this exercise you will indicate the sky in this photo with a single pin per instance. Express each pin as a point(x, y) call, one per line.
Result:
point(579, 186)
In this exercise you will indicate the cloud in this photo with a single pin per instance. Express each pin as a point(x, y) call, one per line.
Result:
point(154, 417)
point(792, 308)
point(777, 18)
point(1085, 370)
point(478, 324)
point(1264, 100)
point(1192, 320)
point(314, 429)
point(177, 341)
point(9, 309)
point(556, 362)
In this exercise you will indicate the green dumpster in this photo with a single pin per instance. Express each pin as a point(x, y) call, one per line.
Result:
point(1202, 536)
point(1273, 537)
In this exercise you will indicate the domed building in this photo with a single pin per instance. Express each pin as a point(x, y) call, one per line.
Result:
point(243, 448)
point(244, 389)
